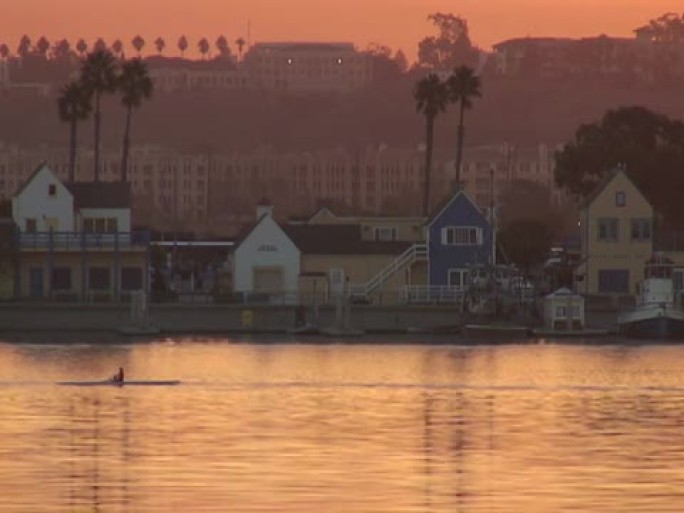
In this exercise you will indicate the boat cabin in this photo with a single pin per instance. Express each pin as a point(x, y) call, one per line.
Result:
point(658, 285)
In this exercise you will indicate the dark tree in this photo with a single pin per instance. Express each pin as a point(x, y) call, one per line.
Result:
point(4, 51)
point(42, 46)
point(182, 45)
point(203, 47)
point(431, 97)
point(451, 48)
point(81, 47)
point(649, 145)
point(24, 46)
point(240, 43)
point(526, 242)
point(463, 86)
point(159, 44)
point(100, 45)
point(74, 106)
point(138, 43)
point(117, 48)
point(222, 46)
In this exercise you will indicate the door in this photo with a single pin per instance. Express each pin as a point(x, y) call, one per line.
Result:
point(36, 283)
point(269, 280)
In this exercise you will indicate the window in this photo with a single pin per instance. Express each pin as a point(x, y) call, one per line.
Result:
point(458, 277)
point(613, 281)
point(31, 225)
point(641, 230)
point(131, 278)
point(561, 312)
point(98, 278)
point(608, 230)
point(99, 225)
point(61, 278)
point(620, 199)
point(385, 233)
point(461, 236)
point(88, 225)
point(52, 189)
point(112, 224)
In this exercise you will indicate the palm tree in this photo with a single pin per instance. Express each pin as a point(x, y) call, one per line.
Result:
point(24, 46)
point(431, 97)
point(135, 86)
point(160, 44)
point(98, 75)
point(42, 46)
point(61, 49)
point(182, 45)
point(81, 47)
point(463, 85)
point(138, 43)
point(222, 46)
point(117, 48)
point(74, 106)
point(4, 51)
point(240, 45)
point(203, 47)
point(100, 44)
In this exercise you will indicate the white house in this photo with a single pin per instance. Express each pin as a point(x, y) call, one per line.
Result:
point(266, 260)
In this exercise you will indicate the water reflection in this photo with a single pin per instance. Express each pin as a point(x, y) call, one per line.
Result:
point(339, 428)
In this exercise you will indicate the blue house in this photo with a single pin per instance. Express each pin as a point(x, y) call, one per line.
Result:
point(458, 236)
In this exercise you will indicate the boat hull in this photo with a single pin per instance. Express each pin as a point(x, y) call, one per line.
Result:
point(661, 325)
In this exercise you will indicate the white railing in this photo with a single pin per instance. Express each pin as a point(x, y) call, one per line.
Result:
point(433, 294)
point(412, 254)
point(79, 240)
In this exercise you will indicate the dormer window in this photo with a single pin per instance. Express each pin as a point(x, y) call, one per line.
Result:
point(620, 199)
point(52, 189)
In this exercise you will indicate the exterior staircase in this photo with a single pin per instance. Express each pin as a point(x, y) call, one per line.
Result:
point(415, 253)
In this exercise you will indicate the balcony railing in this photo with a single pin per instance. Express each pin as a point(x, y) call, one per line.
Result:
point(82, 240)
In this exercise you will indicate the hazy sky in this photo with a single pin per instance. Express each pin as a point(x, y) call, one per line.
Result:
point(397, 23)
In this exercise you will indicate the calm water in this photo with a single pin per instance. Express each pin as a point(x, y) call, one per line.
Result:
point(338, 428)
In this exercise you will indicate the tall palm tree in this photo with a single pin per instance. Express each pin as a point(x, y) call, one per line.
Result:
point(240, 45)
point(42, 46)
point(463, 85)
point(24, 46)
point(138, 43)
point(203, 47)
point(98, 75)
point(159, 43)
point(100, 44)
point(431, 97)
point(81, 46)
point(117, 48)
point(135, 86)
point(222, 45)
point(74, 106)
point(182, 45)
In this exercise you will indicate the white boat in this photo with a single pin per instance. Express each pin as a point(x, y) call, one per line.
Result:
point(657, 314)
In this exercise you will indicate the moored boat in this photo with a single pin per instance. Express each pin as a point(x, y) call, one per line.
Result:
point(657, 314)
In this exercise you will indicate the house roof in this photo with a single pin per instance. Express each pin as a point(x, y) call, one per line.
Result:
point(437, 212)
point(601, 186)
point(339, 239)
point(100, 194)
point(37, 170)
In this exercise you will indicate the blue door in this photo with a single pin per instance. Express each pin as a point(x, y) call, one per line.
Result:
point(36, 285)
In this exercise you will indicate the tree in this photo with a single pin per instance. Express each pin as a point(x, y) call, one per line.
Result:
point(222, 46)
point(463, 86)
point(159, 43)
point(117, 48)
point(203, 47)
point(42, 46)
point(62, 49)
point(100, 45)
point(668, 28)
point(138, 43)
point(182, 45)
point(74, 106)
point(431, 97)
point(24, 46)
point(385, 68)
point(649, 145)
point(98, 76)
point(135, 86)
point(401, 61)
point(81, 47)
point(240, 43)
point(451, 48)
point(526, 242)
point(4, 51)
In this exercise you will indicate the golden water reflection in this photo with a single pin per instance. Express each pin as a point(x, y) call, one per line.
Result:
point(337, 428)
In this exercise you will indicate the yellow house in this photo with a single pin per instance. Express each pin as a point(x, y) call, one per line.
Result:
point(616, 223)
point(379, 228)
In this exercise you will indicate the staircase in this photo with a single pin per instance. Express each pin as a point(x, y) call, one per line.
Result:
point(415, 253)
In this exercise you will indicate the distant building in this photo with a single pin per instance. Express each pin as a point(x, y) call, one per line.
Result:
point(308, 66)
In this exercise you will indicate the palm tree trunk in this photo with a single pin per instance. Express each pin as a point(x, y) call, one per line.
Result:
point(72, 151)
point(429, 131)
point(459, 147)
point(126, 146)
point(96, 117)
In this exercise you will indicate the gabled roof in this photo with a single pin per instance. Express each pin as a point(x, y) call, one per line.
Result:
point(37, 170)
point(601, 186)
point(339, 239)
point(446, 203)
point(247, 230)
point(100, 194)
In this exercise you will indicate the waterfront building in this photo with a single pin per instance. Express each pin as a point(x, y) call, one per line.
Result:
point(616, 224)
point(75, 240)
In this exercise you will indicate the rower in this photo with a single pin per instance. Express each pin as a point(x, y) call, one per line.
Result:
point(119, 376)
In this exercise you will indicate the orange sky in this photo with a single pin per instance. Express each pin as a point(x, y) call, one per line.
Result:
point(397, 23)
